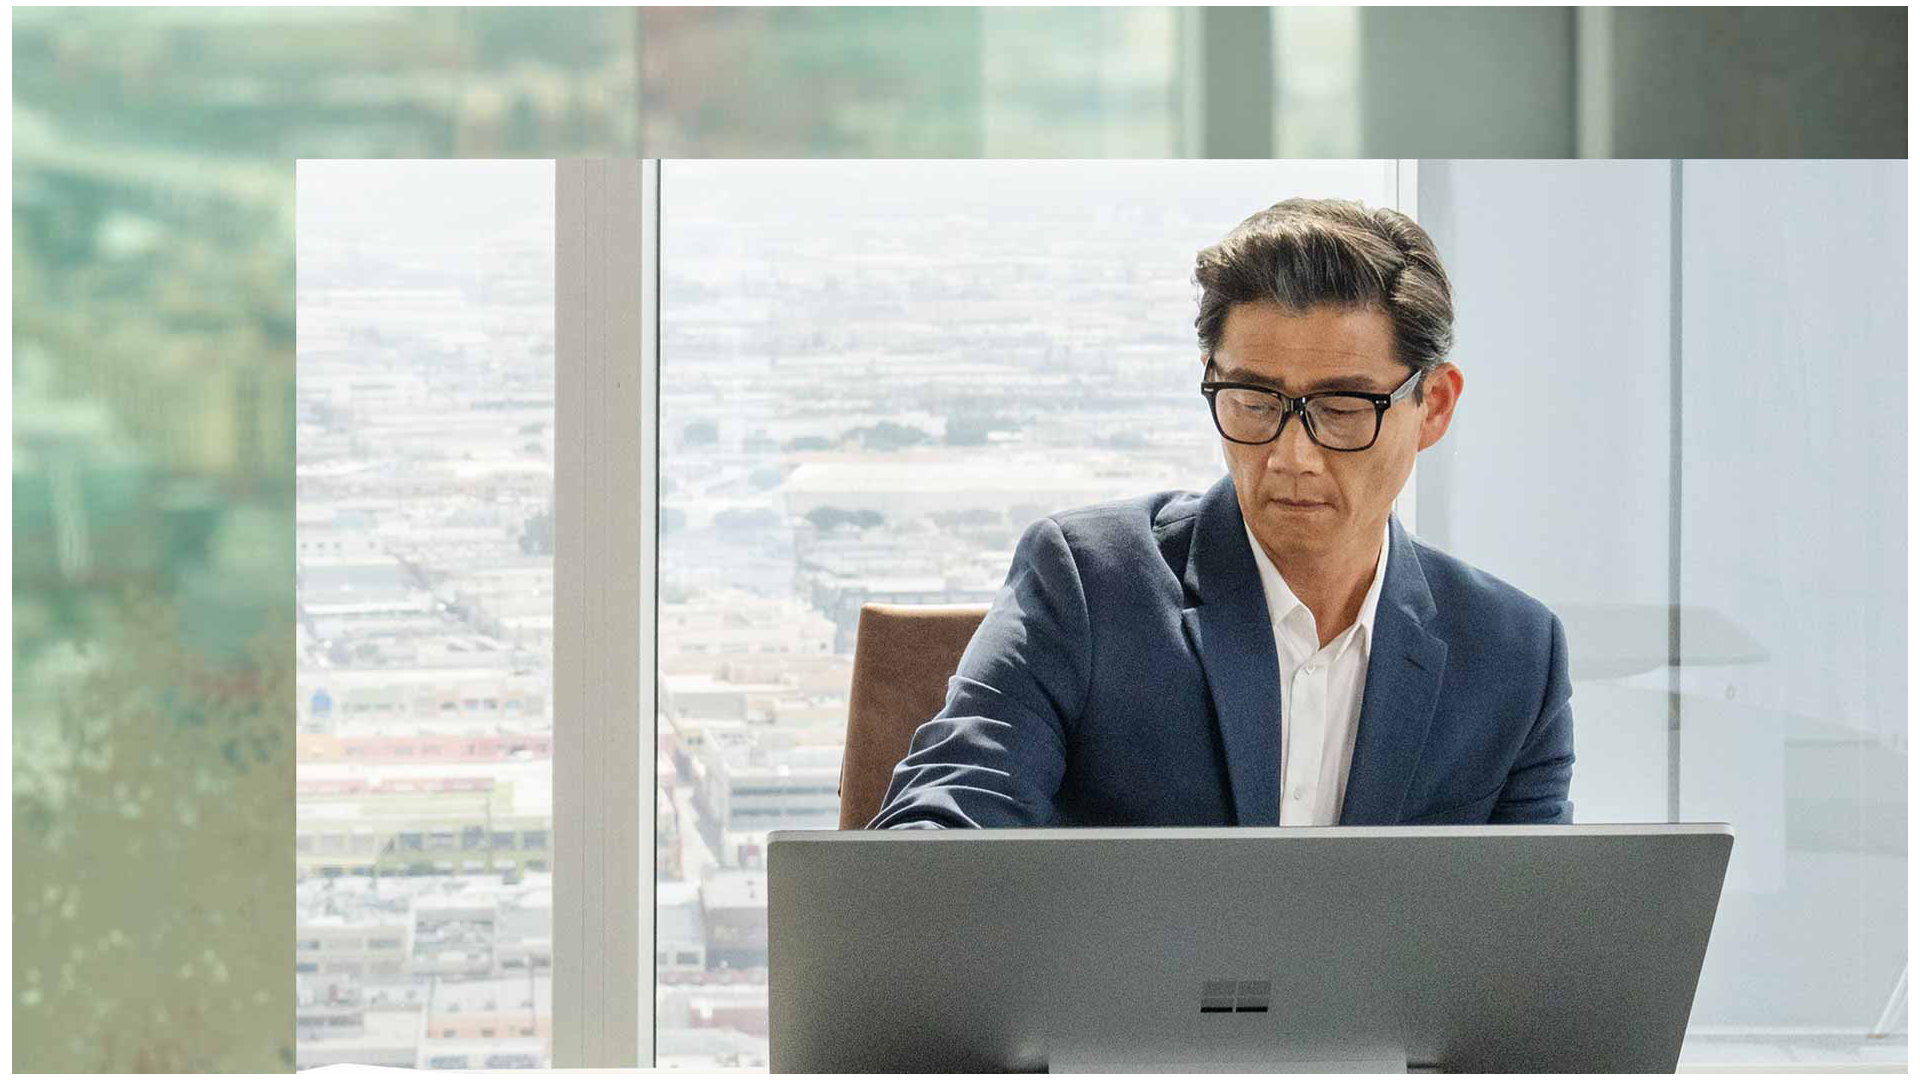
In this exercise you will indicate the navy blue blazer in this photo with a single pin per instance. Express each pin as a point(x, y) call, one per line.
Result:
point(1126, 675)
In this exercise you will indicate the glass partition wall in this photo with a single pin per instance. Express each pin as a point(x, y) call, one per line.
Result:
point(1685, 429)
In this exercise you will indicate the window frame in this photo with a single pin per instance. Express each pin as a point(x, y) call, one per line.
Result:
point(606, 364)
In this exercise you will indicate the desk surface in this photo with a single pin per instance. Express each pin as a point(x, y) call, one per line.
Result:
point(1700, 1054)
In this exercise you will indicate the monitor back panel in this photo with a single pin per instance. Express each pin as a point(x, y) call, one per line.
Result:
point(1539, 948)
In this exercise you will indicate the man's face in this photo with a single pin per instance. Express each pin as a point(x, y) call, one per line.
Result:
point(1302, 502)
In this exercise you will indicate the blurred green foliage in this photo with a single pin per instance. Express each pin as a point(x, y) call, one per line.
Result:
point(153, 482)
point(152, 808)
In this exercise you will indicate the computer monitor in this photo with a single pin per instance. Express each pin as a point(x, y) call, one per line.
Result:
point(1477, 948)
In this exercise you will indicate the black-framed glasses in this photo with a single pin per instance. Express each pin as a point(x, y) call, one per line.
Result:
point(1344, 420)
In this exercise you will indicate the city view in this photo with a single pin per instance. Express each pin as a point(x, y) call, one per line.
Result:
point(425, 564)
point(873, 377)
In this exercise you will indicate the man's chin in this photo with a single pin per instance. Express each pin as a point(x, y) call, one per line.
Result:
point(1299, 530)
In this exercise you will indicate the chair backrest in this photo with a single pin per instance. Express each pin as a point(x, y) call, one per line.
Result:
point(903, 656)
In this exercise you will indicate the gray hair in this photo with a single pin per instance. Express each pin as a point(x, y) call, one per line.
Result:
point(1306, 253)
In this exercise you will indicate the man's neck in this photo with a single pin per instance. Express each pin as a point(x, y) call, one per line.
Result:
point(1333, 588)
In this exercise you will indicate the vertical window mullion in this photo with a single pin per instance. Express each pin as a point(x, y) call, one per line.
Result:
point(601, 602)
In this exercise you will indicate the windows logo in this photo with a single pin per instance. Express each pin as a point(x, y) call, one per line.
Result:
point(1235, 996)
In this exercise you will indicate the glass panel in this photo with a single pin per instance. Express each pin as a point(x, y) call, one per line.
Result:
point(1561, 334)
point(1316, 75)
point(926, 82)
point(874, 375)
point(425, 580)
point(1080, 82)
point(1786, 572)
point(1794, 480)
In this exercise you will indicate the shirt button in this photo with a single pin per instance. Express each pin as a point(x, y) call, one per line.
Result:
point(1296, 794)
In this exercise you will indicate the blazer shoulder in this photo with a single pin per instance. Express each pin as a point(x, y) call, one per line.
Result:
point(1125, 520)
point(1467, 596)
point(1124, 532)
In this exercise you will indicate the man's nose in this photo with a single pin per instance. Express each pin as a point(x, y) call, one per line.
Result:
point(1294, 450)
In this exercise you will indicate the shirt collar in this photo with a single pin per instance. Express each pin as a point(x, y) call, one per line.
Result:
point(1281, 602)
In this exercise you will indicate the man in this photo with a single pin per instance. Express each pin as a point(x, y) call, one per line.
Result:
point(1277, 650)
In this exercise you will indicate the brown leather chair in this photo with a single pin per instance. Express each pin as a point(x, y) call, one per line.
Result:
point(902, 658)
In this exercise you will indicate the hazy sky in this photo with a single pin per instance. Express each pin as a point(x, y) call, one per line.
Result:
point(421, 203)
point(437, 203)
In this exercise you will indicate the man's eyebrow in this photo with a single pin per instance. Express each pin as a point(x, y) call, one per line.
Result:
point(1336, 382)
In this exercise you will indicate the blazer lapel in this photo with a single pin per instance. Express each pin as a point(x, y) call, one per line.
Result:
point(1232, 635)
point(1404, 667)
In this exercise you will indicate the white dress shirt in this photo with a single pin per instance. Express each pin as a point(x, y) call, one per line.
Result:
point(1320, 694)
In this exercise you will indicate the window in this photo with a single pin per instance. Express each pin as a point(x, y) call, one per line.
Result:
point(426, 328)
point(878, 414)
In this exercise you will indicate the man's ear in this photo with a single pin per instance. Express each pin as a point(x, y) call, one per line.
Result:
point(1439, 393)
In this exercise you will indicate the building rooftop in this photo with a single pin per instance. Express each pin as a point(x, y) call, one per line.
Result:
point(388, 1032)
point(505, 994)
point(532, 790)
point(734, 889)
point(707, 684)
point(998, 473)
point(439, 676)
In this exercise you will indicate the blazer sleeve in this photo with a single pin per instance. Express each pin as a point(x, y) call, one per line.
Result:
point(1536, 788)
point(995, 753)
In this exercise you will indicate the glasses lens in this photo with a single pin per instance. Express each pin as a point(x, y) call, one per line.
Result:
point(1247, 415)
point(1343, 423)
